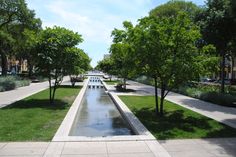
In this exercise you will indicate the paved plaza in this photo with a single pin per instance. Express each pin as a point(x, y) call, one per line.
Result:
point(215, 147)
point(82, 149)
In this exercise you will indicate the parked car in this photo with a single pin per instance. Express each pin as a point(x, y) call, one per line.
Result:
point(227, 81)
point(106, 77)
point(208, 80)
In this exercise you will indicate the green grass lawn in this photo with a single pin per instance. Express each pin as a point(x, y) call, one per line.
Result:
point(177, 122)
point(33, 118)
point(112, 82)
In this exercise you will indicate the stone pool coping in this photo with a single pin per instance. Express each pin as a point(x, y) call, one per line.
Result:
point(62, 134)
point(65, 127)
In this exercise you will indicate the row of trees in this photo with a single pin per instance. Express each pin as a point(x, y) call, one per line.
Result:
point(218, 26)
point(51, 51)
point(171, 45)
point(17, 23)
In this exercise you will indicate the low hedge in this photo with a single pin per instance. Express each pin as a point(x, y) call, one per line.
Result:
point(203, 91)
point(11, 82)
point(219, 98)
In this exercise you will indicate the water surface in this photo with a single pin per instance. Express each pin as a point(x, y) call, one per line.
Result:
point(98, 115)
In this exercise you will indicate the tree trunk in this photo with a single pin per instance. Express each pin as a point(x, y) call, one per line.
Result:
point(162, 99)
point(4, 64)
point(54, 91)
point(232, 69)
point(125, 83)
point(156, 96)
point(50, 90)
point(222, 88)
point(30, 68)
point(72, 80)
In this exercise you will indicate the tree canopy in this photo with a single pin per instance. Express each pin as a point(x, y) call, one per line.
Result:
point(15, 18)
point(165, 48)
point(121, 52)
point(173, 7)
point(58, 56)
point(217, 22)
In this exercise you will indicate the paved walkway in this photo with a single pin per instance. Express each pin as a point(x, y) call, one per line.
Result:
point(82, 149)
point(215, 147)
point(12, 96)
point(226, 115)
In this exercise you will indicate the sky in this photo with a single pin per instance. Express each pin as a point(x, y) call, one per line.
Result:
point(93, 19)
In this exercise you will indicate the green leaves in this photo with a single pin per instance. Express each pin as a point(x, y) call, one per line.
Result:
point(57, 52)
point(121, 51)
point(172, 8)
point(163, 43)
point(217, 23)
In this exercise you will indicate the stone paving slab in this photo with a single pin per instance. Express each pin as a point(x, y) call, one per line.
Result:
point(84, 149)
point(98, 155)
point(54, 149)
point(133, 155)
point(215, 147)
point(2, 145)
point(127, 147)
point(23, 149)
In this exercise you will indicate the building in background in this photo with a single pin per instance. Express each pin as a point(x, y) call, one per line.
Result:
point(15, 66)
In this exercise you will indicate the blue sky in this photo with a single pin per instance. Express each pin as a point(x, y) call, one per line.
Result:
point(94, 19)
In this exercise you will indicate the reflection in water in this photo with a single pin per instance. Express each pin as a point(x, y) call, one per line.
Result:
point(98, 116)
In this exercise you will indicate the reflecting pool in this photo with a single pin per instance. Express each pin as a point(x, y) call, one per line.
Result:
point(98, 115)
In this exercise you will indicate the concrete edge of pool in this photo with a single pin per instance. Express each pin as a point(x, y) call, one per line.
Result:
point(63, 131)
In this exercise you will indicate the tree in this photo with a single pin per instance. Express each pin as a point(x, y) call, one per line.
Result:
point(165, 48)
point(26, 36)
point(121, 52)
point(28, 49)
point(77, 62)
point(107, 66)
point(173, 7)
point(6, 46)
point(15, 17)
point(218, 28)
point(54, 54)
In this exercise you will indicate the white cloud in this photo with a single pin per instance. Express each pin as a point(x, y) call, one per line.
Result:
point(94, 19)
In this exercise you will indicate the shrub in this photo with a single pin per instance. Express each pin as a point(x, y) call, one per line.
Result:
point(7, 83)
point(145, 80)
point(203, 91)
point(219, 98)
point(12, 82)
point(119, 87)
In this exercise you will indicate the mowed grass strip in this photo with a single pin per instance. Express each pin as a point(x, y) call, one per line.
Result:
point(177, 122)
point(33, 118)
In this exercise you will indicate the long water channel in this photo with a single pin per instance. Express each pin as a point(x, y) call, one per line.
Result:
point(98, 115)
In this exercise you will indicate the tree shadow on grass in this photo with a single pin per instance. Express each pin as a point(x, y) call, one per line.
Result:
point(38, 103)
point(127, 90)
point(175, 123)
point(69, 86)
point(41, 103)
